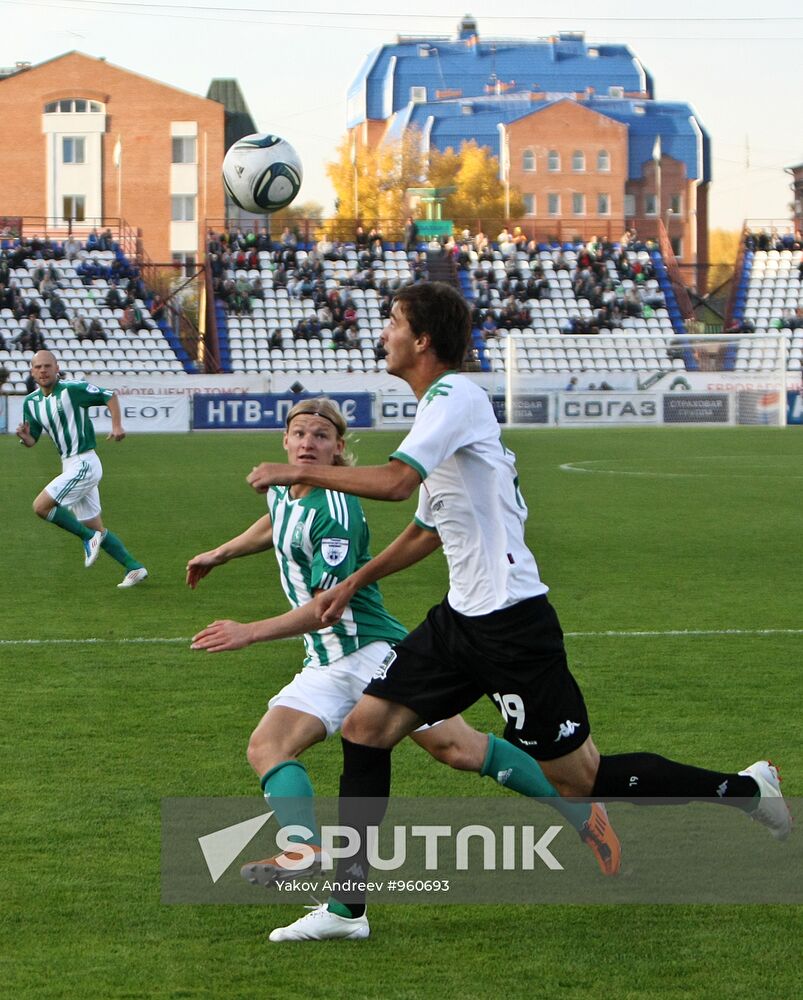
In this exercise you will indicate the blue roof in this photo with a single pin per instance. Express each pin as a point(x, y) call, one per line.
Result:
point(682, 134)
point(565, 63)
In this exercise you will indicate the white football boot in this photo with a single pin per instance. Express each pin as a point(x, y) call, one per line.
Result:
point(322, 925)
point(771, 810)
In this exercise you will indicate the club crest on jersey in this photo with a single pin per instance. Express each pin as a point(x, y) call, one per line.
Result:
point(334, 550)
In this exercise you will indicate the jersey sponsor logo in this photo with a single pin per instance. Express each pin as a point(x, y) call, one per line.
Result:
point(566, 728)
point(381, 671)
point(298, 535)
point(334, 550)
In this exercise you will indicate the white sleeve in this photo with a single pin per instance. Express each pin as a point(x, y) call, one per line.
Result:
point(445, 421)
point(423, 512)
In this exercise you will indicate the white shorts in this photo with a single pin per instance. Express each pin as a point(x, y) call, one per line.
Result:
point(329, 693)
point(77, 486)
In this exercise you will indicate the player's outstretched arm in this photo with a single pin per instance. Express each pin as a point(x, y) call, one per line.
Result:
point(117, 432)
point(24, 434)
point(411, 546)
point(394, 481)
point(257, 538)
point(225, 635)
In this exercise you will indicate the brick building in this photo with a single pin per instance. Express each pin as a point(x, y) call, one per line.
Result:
point(575, 125)
point(89, 141)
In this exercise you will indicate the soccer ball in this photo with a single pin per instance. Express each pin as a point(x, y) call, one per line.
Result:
point(262, 173)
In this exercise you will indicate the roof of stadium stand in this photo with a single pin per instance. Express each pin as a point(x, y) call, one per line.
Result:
point(473, 84)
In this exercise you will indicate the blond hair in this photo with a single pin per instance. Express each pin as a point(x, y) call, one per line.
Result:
point(321, 406)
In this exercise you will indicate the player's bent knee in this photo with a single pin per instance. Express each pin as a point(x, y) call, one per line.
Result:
point(42, 506)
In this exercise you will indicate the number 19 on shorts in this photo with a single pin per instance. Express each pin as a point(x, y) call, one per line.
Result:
point(512, 708)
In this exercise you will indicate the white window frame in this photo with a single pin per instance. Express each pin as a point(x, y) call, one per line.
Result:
point(607, 209)
point(650, 205)
point(603, 161)
point(578, 195)
point(529, 203)
point(553, 161)
point(180, 145)
point(553, 199)
point(578, 157)
point(182, 208)
point(77, 210)
point(77, 147)
point(528, 161)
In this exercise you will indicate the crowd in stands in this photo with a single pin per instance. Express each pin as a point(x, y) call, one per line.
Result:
point(242, 264)
point(46, 261)
point(771, 239)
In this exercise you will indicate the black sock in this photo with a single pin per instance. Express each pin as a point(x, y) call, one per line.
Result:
point(364, 791)
point(647, 775)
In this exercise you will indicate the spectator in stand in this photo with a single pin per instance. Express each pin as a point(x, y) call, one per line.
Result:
point(519, 239)
point(375, 242)
point(489, 327)
point(58, 310)
point(158, 309)
point(360, 239)
point(410, 234)
point(30, 337)
point(113, 298)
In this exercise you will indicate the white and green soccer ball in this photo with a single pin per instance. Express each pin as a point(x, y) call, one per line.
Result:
point(262, 173)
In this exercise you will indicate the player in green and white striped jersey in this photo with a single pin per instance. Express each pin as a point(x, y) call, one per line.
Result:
point(59, 409)
point(320, 537)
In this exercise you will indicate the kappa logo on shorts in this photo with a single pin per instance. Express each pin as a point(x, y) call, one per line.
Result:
point(334, 550)
point(381, 671)
point(566, 728)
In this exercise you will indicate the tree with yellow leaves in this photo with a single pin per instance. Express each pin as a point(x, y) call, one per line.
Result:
point(474, 172)
point(383, 174)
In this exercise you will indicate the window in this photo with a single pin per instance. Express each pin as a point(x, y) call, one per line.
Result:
point(630, 205)
point(553, 204)
point(185, 262)
point(78, 106)
point(184, 149)
point(676, 204)
point(578, 204)
point(529, 204)
point(553, 161)
point(603, 161)
point(73, 207)
point(578, 161)
point(418, 95)
point(603, 204)
point(183, 208)
point(677, 246)
point(528, 160)
point(650, 204)
point(72, 149)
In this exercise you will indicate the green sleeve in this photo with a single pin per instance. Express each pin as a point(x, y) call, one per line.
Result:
point(34, 426)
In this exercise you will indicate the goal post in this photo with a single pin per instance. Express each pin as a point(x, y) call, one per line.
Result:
point(689, 379)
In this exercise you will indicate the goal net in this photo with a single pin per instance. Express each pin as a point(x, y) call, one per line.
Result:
point(658, 378)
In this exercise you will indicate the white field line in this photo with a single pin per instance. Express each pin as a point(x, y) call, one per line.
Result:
point(607, 634)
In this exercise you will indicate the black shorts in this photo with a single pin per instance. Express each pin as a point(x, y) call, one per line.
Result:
point(514, 656)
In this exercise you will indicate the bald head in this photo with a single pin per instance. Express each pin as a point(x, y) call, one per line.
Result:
point(45, 370)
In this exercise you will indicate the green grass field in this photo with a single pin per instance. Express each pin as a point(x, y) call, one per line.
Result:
point(664, 530)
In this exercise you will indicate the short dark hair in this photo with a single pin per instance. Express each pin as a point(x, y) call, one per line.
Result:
point(440, 310)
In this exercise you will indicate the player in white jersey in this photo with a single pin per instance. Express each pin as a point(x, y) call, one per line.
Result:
point(320, 537)
point(495, 633)
point(71, 501)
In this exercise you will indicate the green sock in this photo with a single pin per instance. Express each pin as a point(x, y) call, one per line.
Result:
point(67, 520)
point(115, 548)
point(343, 910)
point(514, 769)
point(288, 791)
